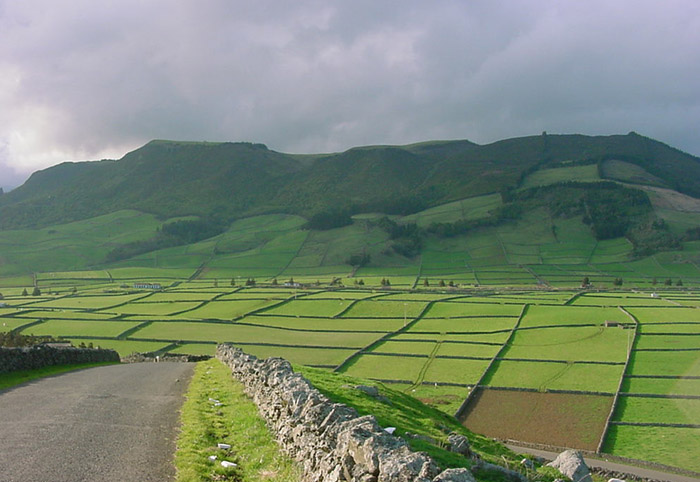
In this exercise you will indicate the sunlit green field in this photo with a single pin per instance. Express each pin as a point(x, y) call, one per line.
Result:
point(437, 344)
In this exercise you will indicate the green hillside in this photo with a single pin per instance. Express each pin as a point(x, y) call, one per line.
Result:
point(233, 180)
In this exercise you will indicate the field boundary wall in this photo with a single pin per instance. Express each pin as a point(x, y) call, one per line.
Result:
point(384, 338)
point(39, 356)
point(613, 407)
point(463, 408)
point(331, 441)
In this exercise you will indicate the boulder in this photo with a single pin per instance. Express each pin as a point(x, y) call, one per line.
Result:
point(571, 464)
point(455, 475)
point(459, 444)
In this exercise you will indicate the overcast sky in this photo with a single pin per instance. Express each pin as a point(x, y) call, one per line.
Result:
point(85, 79)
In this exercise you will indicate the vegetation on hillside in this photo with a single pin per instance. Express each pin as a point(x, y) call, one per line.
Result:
point(232, 180)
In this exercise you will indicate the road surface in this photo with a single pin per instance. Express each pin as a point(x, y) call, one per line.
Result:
point(604, 464)
point(110, 423)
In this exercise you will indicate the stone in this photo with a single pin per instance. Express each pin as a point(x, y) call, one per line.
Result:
point(331, 441)
point(455, 475)
point(459, 444)
point(571, 464)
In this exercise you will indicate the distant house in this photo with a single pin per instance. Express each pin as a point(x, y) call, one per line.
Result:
point(3, 305)
point(610, 323)
point(148, 286)
point(654, 295)
point(292, 284)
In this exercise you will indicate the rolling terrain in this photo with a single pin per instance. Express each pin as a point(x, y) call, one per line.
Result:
point(540, 272)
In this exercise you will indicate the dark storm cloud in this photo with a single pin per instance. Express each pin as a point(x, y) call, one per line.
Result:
point(86, 80)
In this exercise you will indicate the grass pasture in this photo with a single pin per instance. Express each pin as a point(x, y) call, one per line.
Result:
point(665, 445)
point(436, 342)
point(543, 376)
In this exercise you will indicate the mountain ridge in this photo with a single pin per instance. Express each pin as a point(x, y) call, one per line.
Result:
point(230, 180)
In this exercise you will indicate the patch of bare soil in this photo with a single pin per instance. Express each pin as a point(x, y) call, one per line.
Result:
point(558, 419)
point(670, 199)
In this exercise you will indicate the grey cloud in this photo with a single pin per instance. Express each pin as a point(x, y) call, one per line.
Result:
point(90, 79)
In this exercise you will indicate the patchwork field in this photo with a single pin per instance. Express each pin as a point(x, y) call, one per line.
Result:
point(547, 353)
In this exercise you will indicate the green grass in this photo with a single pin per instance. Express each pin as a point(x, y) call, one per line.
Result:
point(661, 386)
point(390, 309)
point(571, 344)
point(640, 409)
point(155, 309)
point(449, 309)
point(455, 371)
point(302, 356)
point(670, 446)
point(571, 315)
point(18, 377)
point(225, 310)
point(123, 347)
point(554, 376)
point(194, 349)
point(335, 324)
point(232, 332)
point(392, 367)
point(545, 177)
point(303, 307)
point(686, 363)
point(408, 415)
point(235, 422)
point(442, 325)
point(68, 328)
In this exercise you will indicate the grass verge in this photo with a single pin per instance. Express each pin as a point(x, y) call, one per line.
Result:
point(235, 422)
point(18, 377)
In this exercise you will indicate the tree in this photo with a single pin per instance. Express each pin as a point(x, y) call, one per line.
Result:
point(1, 296)
point(36, 292)
point(668, 282)
point(361, 283)
point(74, 290)
point(654, 281)
point(426, 282)
point(233, 282)
point(451, 284)
point(586, 282)
point(216, 283)
point(442, 283)
point(24, 292)
point(617, 282)
point(679, 282)
point(274, 282)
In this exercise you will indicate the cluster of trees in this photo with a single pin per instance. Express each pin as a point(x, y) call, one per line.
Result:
point(359, 260)
point(385, 282)
point(35, 292)
point(407, 238)
point(441, 283)
point(172, 234)
point(667, 282)
point(12, 339)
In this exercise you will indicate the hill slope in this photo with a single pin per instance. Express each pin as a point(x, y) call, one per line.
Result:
point(232, 180)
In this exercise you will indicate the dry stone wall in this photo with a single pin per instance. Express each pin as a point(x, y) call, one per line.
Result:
point(39, 356)
point(331, 440)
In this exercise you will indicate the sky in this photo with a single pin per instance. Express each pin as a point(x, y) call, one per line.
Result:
point(88, 80)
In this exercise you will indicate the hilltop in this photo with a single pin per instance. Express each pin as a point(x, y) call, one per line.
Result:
point(234, 180)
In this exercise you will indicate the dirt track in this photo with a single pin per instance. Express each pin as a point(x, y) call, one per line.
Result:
point(112, 423)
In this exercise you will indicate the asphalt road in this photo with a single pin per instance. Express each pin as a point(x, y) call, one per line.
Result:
point(604, 464)
point(110, 423)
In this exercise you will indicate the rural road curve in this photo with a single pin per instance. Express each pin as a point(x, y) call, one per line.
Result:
point(604, 464)
point(109, 423)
